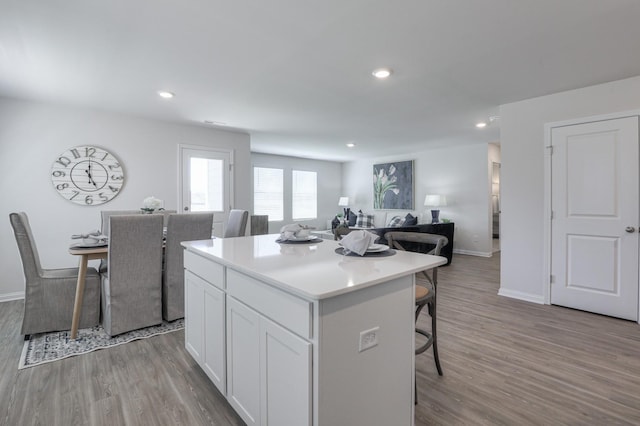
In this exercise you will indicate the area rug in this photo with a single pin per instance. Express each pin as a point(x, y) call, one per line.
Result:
point(47, 347)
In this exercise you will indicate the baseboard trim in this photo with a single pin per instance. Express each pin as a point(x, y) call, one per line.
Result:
point(11, 296)
point(527, 297)
point(473, 253)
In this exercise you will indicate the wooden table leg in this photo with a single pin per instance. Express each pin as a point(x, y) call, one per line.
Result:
point(77, 306)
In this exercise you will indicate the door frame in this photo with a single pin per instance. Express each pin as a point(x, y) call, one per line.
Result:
point(548, 181)
point(183, 147)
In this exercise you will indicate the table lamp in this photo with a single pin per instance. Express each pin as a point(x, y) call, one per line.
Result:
point(434, 200)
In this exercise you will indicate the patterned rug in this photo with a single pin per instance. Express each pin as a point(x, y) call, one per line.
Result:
point(47, 347)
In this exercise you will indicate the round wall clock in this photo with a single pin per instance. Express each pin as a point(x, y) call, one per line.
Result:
point(87, 175)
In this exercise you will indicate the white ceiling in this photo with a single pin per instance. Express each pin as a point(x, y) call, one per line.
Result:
point(296, 74)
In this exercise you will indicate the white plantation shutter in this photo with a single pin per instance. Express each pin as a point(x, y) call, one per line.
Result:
point(268, 192)
point(305, 195)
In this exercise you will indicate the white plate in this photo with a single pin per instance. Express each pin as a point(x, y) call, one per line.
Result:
point(307, 238)
point(89, 245)
point(375, 248)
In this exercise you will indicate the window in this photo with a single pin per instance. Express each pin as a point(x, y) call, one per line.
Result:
point(268, 192)
point(304, 195)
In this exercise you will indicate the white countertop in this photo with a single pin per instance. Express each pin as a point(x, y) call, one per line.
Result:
point(312, 271)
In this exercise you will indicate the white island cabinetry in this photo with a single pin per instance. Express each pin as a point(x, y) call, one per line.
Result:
point(299, 335)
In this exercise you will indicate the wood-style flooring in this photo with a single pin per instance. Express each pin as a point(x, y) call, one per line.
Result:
point(506, 362)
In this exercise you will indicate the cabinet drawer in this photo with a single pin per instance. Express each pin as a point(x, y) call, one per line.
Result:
point(206, 269)
point(289, 311)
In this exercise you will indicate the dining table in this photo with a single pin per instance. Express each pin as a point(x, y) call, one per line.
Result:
point(86, 254)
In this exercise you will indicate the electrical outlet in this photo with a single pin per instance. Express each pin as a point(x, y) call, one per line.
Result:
point(368, 339)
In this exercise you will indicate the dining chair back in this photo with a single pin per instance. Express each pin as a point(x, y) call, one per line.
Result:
point(426, 284)
point(104, 228)
point(132, 285)
point(237, 224)
point(259, 224)
point(50, 293)
point(180, 227)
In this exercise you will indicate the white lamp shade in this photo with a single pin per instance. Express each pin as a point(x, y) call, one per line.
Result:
point(433, 200)
point(344, 201)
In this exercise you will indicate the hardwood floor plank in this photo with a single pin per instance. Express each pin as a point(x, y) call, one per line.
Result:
point(505, 362)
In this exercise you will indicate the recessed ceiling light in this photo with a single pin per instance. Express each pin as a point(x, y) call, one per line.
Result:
point(382, 73)
point(351, 144)
point(481, 124)
point(165, 94)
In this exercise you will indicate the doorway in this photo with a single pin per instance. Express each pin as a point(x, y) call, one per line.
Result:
point(206, 183)
point(495, 206)
point(594, 215)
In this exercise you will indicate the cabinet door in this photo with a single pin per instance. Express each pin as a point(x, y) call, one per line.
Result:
point(285, 375)
point(194, 315)
point(213, 360)
point(243, 361)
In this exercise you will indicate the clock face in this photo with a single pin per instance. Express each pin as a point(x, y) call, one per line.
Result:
point(87, 175)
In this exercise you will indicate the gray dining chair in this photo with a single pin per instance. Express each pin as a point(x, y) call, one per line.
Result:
point(105, 215)
point(50, 293)
point(259, 224)
point(180, 227)
point(132, 285)
point(237, 224)
point(426, 284)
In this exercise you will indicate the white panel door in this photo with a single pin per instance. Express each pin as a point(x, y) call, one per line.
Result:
point(285, 375)
point(594, 230)
point(213, 360)
point(206, 183)
point(243, 361)
point(194, 315)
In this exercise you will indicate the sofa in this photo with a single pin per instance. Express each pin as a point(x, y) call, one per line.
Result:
point(387, 221)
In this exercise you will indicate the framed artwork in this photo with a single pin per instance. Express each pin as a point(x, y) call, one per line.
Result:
point(393, 185)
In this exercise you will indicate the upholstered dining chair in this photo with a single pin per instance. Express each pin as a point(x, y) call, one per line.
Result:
point(237, 224)
point(180, 227)
point(106, 214)
point(50, 293)
point(104, 228)
point(132, 285)
point(426, 284)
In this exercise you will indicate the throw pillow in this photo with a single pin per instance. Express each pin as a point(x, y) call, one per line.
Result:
point(364, 221)
point(352, 218)
point(410, 220)
point(395, 222)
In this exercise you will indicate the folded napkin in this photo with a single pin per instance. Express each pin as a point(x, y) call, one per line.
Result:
point(358, 241)
point(292, 231)
point(94, 236)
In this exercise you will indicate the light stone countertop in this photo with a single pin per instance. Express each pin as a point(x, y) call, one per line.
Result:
point(312, 271)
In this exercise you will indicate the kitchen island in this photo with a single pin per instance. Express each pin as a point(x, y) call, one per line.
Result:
point(296, 334)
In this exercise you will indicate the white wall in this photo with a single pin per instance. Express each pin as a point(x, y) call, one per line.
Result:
point(461, 173)
point(32, 135)
point(522, 184)
point(329, 186)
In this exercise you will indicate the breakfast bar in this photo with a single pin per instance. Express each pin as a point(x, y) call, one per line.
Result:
point(299, 334)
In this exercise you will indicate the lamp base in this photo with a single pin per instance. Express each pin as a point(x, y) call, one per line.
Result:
point(435, 216)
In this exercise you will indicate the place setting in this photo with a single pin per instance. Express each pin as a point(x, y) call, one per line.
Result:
point(92, 239)
point(297, 234)
point(362, 243)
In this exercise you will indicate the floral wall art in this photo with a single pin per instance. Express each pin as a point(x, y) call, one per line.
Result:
point(393, 185)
